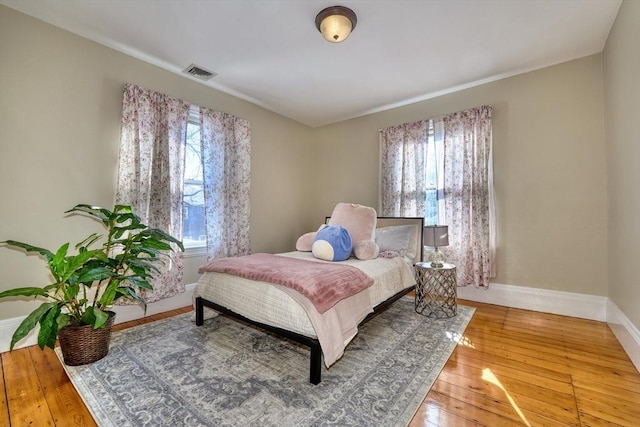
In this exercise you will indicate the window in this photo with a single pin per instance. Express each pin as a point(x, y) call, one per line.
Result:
point(416, 170)
point(193, 215)
point(189, 167)
point(431, 182)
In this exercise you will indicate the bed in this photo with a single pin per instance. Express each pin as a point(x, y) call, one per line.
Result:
point(289, 314)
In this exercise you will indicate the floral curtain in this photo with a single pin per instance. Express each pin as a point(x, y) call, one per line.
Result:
point(150, 174)
point(468, 185)
point(403, 157)
point(226, 158)
point(460, 151)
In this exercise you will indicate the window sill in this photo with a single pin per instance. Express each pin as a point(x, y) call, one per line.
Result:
point(196, 251)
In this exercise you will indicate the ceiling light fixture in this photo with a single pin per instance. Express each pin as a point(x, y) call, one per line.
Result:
point(336, 23)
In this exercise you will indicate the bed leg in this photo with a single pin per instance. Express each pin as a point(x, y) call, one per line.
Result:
point(199, 311)
point(315, 371)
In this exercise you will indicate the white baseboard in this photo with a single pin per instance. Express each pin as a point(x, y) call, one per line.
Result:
point(625, 331)
point(545, 300)
point(8, 327)
point(124, 313)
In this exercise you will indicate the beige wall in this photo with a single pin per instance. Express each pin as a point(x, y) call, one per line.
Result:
point(622, 124)
point(550, 175)
point(60, 107)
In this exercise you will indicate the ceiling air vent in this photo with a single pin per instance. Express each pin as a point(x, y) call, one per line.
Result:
point(198, 72)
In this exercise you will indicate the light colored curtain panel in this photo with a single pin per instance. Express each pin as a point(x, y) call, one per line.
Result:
point(226, 158)
point(151, 172)
point(468, 195)
point(403, 156)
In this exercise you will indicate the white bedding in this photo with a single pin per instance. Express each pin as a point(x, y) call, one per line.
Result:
point(269, 304)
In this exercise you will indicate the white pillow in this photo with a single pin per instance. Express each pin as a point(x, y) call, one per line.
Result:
point(397, 238)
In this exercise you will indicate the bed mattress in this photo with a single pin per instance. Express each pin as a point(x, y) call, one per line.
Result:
point(269, 304)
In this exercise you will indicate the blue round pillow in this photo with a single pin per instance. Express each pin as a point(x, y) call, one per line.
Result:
point(332, 243)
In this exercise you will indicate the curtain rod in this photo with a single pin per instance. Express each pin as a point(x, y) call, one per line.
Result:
point(441, 116)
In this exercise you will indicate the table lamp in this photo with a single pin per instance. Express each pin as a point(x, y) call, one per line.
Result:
point(435, 236)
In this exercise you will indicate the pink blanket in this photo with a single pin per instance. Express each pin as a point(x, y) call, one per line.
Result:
point(325, 284)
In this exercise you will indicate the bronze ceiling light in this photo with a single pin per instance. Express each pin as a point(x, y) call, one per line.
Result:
point(336, 23)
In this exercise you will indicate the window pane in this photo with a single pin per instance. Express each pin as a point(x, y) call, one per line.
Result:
point(431, 190)
point(193, 200)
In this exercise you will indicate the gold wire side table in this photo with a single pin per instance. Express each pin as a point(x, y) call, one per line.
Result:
point(436, 290)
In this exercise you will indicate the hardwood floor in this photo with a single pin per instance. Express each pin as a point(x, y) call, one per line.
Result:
point(511, 367)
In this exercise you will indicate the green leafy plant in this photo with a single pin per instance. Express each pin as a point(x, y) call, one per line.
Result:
point(86, 284)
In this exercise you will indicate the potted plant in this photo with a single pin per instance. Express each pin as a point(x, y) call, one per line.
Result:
point(86, 283)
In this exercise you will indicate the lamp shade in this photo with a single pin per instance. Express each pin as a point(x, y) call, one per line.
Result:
point(336, 23)
point(435, 235)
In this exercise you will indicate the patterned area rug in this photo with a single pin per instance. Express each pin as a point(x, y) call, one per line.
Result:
point(226, 373)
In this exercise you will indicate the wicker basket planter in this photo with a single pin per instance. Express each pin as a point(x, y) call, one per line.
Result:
point(83, 344)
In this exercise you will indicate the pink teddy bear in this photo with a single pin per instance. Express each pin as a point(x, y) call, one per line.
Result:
point(360, 221)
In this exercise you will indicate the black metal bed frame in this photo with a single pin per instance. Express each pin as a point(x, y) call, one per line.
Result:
point(315, 365)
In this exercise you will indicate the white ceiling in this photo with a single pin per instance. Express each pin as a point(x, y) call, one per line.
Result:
point(270, 53)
